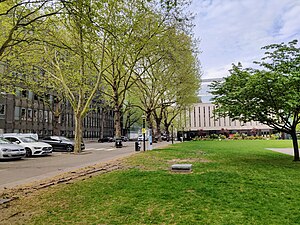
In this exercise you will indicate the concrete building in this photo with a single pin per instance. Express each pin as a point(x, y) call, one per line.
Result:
point(201, 121)
point(25, 112)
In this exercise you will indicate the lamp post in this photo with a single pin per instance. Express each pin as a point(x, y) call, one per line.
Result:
point(144, 132)
point(172, 126)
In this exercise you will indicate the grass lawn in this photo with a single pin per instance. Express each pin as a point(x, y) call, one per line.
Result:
point(233, 182)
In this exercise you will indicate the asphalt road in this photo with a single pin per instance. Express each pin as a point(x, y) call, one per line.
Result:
point(17, 172)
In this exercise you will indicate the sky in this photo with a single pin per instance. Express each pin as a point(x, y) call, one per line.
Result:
point(232, 31)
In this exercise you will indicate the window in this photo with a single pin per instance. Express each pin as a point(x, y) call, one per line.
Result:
point(199, 117)
point(30, 95)
point(35, 115)
point(23, 114)
point(29, 114)
point(35, 97)
point(41, 115)
point(24, 93)
point(17, 113)
point(2, 109)
point(46, 116)
point(209, 116)
point(18, 92)
point(204, 116)
point(50, 116)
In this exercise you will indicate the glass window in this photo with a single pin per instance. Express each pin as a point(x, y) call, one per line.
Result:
point(46, 116)
point(41, 115)
point(50, 116)
point(29, 114)
point(24, 93)
point(35, 115)
point(30, 95)
point(2, 109)
point(23, 114)
point(18, 92)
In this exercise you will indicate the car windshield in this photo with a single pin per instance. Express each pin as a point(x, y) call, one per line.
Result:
point(4, 141)
point(27, 139)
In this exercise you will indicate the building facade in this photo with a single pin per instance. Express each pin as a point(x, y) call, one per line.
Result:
point(26, 112)
point(200, 121)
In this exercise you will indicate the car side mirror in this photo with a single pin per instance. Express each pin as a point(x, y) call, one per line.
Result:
point(17, 142)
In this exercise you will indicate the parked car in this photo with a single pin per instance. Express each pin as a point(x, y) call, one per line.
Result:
point(31, 145)
point(32, 135)
point(141, 138)
point(61, 143)
point(124, 138)
point(106, 139)
point(9, 150)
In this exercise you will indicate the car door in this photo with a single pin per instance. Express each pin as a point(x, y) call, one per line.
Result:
point(54, 141)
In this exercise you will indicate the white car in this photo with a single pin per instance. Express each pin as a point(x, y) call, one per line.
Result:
point(31, 146)
point(141, 138)
point(10, 151)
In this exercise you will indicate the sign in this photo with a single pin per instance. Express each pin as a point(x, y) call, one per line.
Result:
point(144, 130)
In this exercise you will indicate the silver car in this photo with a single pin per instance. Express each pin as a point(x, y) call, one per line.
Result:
point(9, 150)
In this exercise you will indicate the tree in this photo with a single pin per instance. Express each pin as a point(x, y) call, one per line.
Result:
point(171, 82)
point(18, 21)
point(131, 37)
point(70, 61)
point(269, 94)
point(20, 18)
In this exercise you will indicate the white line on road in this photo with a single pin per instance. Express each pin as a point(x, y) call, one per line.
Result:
point(100, 149)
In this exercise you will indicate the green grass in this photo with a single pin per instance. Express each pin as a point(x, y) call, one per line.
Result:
point(233, 182)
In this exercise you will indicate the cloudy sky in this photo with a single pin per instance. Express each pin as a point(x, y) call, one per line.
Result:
point(232, 31)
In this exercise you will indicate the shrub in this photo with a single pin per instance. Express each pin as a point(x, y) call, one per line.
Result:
point(236, 136)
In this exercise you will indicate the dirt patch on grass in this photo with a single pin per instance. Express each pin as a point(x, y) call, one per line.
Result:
point(12, 200)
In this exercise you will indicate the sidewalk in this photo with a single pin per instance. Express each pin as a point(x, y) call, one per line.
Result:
point(288, 151)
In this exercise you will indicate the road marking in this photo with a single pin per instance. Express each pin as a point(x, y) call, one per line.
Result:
point(100, 149)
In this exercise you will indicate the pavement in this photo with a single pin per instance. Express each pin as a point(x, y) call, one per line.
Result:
point(288, 151)
point(19, 172)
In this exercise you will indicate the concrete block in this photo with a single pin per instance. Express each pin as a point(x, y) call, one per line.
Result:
point(182, 167)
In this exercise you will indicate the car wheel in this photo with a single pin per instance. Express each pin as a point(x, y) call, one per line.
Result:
point(28, 152)
point(69, 148)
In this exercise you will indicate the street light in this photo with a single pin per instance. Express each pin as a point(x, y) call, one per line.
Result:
point(144, 132)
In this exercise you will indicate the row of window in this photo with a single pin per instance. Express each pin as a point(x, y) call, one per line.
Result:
point(45, 116)
point(203, 117)
point(29, 114)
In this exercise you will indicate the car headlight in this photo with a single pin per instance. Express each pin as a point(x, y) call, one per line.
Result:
point(5, 150)
point(37, 147)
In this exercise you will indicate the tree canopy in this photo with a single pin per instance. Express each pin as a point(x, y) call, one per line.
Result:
point(80, 49)
point(269, 94)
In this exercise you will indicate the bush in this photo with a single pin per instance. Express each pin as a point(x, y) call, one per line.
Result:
point(214, 136)
point(236, 136)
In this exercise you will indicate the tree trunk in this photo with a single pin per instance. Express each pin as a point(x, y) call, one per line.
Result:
point(78, 133)
point(102, 123)
point(295, 145)
point(158, 129)
point(56, 125)
point(117, 122)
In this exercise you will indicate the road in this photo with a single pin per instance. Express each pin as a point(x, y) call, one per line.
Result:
point(17, 172)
